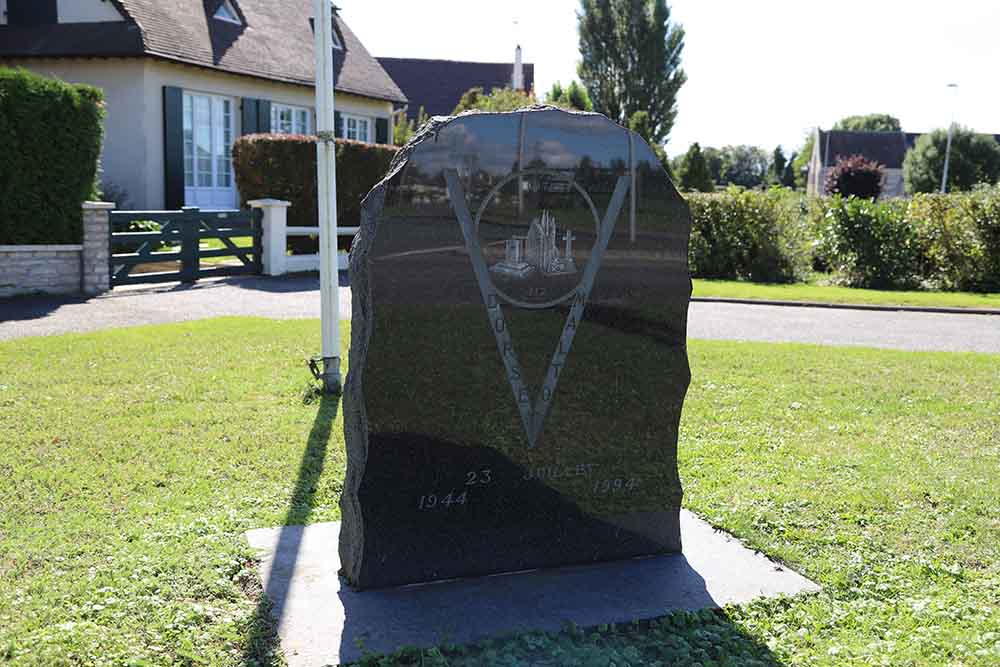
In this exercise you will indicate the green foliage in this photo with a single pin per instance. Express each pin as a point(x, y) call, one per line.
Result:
point(801, 162)
point(283, 166)
point(499, 99)
point(50, 144)
point(855, 176)
point(713, 157)
point(975, 159)
point(631, 61)
point(693, 173)
point(777, 169)
point(574, 96)
point(870, 243)
point(788, 173)
point(959, 236)
point(758, 236)
point(745, 166)
point(873, 122)
point(404, 129)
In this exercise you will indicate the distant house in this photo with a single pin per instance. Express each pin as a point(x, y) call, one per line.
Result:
point(182, 79)
point(438, 85)
point(887, 148)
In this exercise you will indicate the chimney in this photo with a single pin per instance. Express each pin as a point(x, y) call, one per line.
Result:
point(517, 80)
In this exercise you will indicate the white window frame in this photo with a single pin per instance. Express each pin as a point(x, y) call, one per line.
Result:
point(226, 12)
point(220, 192)
point(345, 127)
point(298, 115)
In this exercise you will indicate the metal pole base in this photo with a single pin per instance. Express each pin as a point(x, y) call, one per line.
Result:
point(329, 374)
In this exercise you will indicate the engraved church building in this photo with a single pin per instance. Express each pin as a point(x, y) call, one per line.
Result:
point(538, 251)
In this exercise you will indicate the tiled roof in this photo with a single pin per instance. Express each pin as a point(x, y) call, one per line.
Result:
point(438, 85)
point(276, 42)
point(886, 148)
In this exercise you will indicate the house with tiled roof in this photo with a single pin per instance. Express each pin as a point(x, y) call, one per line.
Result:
point(182, 79)
point(436, 86)
point(887, 148)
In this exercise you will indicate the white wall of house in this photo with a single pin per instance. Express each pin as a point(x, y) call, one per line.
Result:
point(132, 157)
point(86, 11)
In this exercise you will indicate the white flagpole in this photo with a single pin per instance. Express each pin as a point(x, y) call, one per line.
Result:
point(327, 187)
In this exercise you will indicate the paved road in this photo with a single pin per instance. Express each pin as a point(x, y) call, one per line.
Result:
point(297, 297)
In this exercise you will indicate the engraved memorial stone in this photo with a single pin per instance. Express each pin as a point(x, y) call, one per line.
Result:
point(518, 359)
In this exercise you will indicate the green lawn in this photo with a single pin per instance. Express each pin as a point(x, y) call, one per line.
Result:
point(737, 289)
point(131, 462)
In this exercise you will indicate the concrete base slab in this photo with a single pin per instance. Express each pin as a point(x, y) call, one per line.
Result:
point(321, 621)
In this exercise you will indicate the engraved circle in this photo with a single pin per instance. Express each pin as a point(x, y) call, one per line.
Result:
point(489, 198)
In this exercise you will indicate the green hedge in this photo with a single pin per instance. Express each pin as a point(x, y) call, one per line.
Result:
point(283, 166)
point(50, 134)
point(932, 241)
point(746, 234)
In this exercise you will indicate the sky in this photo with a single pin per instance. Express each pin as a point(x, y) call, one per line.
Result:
point(759, 73)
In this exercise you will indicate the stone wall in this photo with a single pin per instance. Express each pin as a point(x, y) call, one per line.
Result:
point(61, 269)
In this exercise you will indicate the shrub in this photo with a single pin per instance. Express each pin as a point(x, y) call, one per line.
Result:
point(51, 134)
point(283, 166)
point(855, 176)
point(982, 206)
point(871, 243)
point(758, 236)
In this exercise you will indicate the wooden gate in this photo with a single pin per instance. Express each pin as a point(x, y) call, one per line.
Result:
point(185, 245)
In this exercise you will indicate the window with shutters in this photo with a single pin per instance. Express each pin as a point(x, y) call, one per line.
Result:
point(358, 128)
point(208, 134)
point(288, 119)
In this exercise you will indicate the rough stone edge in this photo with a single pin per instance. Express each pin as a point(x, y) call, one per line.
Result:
point(351, 541)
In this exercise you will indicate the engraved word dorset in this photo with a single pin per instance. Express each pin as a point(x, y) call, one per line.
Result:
point(536, 255)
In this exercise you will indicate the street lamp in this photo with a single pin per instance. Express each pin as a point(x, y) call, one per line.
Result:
point(947, 149)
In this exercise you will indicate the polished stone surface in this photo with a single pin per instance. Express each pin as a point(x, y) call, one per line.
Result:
point(518, 355)
point(321, 621)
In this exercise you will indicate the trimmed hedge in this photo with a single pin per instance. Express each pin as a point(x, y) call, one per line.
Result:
point(283, 166)
point(51, 133)
point(751, 235)
point(932, 241)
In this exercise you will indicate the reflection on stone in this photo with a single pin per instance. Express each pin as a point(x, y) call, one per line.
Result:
point(523, 413)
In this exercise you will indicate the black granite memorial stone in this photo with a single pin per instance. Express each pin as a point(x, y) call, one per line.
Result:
point(518, 359)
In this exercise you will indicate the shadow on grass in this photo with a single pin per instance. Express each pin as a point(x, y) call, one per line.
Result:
point(262, 644)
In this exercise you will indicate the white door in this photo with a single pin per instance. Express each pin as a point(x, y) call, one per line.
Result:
point(208, 142)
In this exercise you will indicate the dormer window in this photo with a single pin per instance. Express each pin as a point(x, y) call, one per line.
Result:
point(226, 12)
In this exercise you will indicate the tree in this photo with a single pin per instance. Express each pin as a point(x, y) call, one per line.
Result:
point(499, 99)
point(975, 158)
point(403, 130)
point(778, 163)
point(745, 166)
point(855, 176)
point(788, 175)
point(573, 96)
point(640, 124)
point(630, 60)
point(801, 162)
point(873, 122)
point(692, 171)
point(713, 157)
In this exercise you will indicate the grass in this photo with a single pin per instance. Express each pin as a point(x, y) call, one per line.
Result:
point(131, 461)
point(735, 289)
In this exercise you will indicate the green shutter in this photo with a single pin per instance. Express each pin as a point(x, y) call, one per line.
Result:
point(338, 131)
point(249, 116)
point(381, 130)
point(256, 115)
point(263, 115)
point(173, 147)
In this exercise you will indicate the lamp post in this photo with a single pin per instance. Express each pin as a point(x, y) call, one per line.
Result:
point(329, 371)
point(947, 149)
